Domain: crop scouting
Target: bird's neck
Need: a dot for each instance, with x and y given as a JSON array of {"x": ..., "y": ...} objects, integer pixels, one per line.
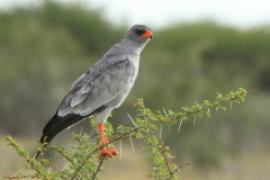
[{"x": 129, "y": 47}]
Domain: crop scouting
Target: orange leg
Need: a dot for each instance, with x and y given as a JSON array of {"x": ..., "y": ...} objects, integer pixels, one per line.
[{"x": 104, "y": 151}]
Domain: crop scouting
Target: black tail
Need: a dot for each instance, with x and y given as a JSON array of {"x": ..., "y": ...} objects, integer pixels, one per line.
[{"x": 54, "y": 126}]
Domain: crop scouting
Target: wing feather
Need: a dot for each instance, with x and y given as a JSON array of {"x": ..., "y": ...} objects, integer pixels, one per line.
[{"x": 99, "y": 86}]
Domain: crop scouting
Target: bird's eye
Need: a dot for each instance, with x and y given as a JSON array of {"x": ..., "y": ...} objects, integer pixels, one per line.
[{"x": 139, "y": 31}]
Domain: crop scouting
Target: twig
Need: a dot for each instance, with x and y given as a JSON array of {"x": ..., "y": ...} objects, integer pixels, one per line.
[
  {"x": 121, "y": 136},
  {"x": 98, "y": 169},
  {"x": 163, "y": 151},
  {"x": 215, "y": 105},
  {"x": 62, "y": 153}
]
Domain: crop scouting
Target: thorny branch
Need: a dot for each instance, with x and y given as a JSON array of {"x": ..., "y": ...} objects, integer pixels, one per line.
[
  {"x": 145, "y": 125},
  {"x": 165, "y": 157},
  {"x": 69, "y": 159},
  {"x": 121, "y": 136},
  {"x": 98, "y": 168}
]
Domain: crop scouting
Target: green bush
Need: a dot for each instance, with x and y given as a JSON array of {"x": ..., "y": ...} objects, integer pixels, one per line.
[{"x": 83, "y": 162}]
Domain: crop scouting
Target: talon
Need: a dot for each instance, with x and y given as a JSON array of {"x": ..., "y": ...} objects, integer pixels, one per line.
[
  {"x": 114, "y": 152},
  {"x": 105, "y": 152}
]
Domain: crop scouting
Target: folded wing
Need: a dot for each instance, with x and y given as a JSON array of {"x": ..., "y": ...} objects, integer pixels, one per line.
[{"x": 97, "y": 87}]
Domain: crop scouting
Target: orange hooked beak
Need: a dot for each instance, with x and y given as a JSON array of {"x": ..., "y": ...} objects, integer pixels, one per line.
[{"x": 146, "y": 35}]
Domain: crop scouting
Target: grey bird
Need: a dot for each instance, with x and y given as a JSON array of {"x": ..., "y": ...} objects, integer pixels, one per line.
[{"x": 102, "y": 88}]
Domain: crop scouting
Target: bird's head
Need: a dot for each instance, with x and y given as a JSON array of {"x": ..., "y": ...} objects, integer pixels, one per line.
[{"x": 140, "y": 34}]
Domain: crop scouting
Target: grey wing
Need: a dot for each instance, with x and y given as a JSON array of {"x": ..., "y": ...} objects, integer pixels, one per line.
[{"x": 97, "y": 88}]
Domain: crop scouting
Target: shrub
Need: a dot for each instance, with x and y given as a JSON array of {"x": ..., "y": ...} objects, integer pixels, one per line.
[{"x": 84, "y": 164}]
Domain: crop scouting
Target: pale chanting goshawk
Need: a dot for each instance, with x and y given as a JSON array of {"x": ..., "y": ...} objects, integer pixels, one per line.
[{"x": 102, "y": 88}]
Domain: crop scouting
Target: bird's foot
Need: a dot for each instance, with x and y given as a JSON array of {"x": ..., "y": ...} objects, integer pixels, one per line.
[
  {"x": 106, "y": 152},
  {"x": 113, "y": 151}
]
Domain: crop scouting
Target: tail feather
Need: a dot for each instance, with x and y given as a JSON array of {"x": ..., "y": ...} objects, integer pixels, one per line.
[{"x": 54, "y": 126}]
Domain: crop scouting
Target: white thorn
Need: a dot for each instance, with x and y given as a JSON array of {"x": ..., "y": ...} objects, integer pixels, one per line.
[
  {"x": 166, "y": 114},
  {"x": 216, "y": 108},
  {"x": 160, "y": 131},
  {"x": 179, "y": 126},
  {"x": 194, "y": 120},
  {"x": 208, "y": 112},
  {"x": 131, "y": 142},
  {"x": 81, "y": 131},
  {"x": 231, "y": 104},
  {"x": 169, "y": 126},
  {"x": 164, "y": 111},
  {"x": 132, "y": 120},
  {"x": 91, "y": 133},
  {"x": 120, "y": 148}
]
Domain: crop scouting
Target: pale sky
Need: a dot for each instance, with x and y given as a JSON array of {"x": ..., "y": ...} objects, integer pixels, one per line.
[{"x": 241, "y": 13}]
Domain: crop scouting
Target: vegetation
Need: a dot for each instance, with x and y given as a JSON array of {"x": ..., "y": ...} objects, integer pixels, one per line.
[
  {"x": 44, "y": 48},
  {"x": 84, "y": 162}
]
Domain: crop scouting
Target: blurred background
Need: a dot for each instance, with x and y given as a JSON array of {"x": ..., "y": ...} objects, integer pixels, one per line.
[{"x": 199, "y": 48}]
